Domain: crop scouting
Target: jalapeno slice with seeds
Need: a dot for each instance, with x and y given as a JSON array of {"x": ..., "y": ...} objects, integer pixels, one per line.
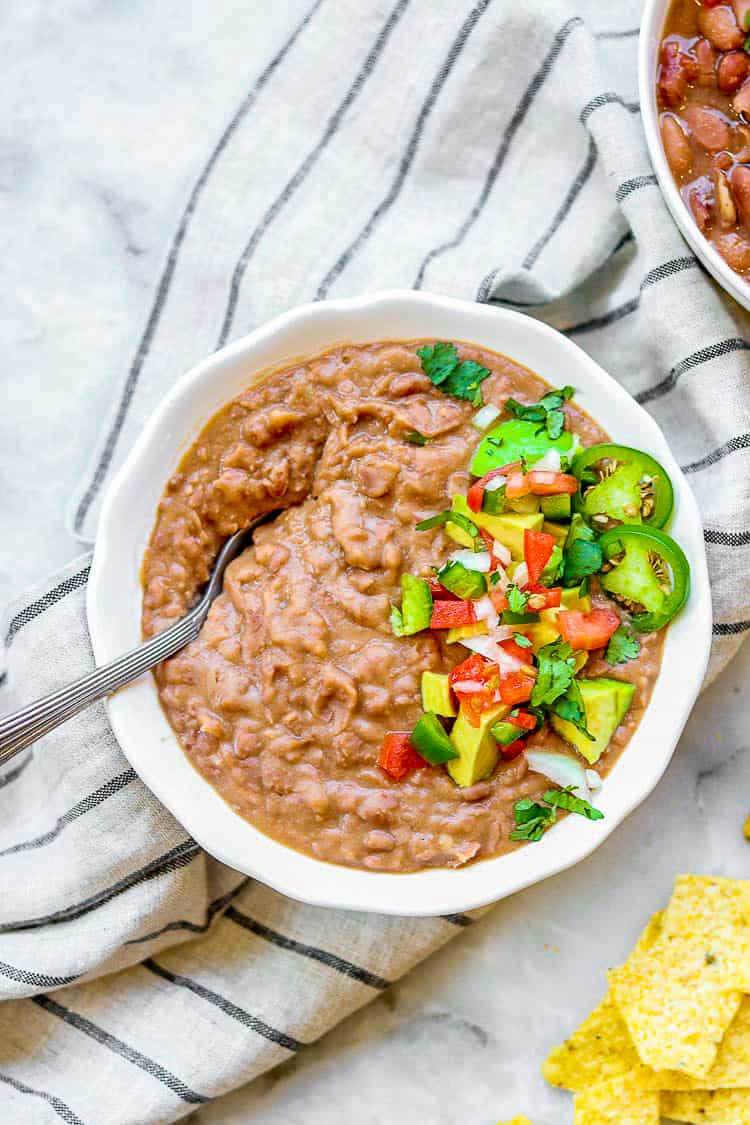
[
  {"x": 646, "y": 572},
  {"x": 621, "y": 485}
]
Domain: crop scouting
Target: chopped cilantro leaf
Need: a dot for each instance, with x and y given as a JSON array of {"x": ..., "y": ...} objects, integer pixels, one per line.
[
  {"x": 517, "y": 599},
  {"x": 566, "y": 799},
  {"x": 416, "y": 438},
  {"x": 582, "y": 555},
  {"x": 623, "y": 646},
  {"x": 521, "y": 640},
  {"x": 555, "y": 675},
  {"x": 441, "y": 364},
  {"x": 570, "y": 707},
  {"x": 532, "y": 819},
  {"x": 494, "y": 578},
  {"x": 548, "y": 412}
]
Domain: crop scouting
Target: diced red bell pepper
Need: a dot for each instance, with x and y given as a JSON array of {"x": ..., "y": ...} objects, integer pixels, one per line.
[
  {"x": 523, "y": 720},
  {"x": 517, "y": 486},
  {"x": 450, "y": 615},
  {"x": 587, "y": 631},
  {"x": 513, "y": 750},
  {"x": 439, "y": 591},
  {"x": 398, "y": 757},
  {"x": 537, "y": 549},
  {"x": 552, "y": 595},
  {"x": 516, "y": 688},
  {"x": 475, "y": 495},
  {"x": 542, "y": 482}
]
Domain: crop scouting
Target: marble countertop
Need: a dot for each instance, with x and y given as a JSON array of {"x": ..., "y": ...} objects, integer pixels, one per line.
[{"x": 96, "y": 153}]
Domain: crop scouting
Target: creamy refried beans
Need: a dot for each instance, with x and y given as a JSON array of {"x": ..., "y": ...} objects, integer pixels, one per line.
[{"x": 284, "y": 699}]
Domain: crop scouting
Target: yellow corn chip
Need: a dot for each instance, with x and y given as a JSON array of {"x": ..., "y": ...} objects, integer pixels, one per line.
[
  {"x": 516, "y": 1121},
  {"x": 710, "y": 918},
  {"x": 708, "y": 1107},
  {"x": 617, "y": 1102}
]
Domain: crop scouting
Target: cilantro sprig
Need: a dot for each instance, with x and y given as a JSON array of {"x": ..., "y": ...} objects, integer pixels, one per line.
[
  {"x": 534, "y": 818},
  {"x": 548, "y": 412},
  {"x": 556, "y": 688},
  {"x": 517, "y": 599},
  {"x": 460, "y": 378},
  {"x": 623, "y": 646}
]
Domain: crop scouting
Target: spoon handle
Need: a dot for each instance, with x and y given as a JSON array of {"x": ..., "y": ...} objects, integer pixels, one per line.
[{"x": 19, "y": 729}]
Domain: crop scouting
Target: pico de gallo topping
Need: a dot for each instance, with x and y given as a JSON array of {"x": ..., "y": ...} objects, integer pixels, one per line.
[{"x": 558, "y": 552}]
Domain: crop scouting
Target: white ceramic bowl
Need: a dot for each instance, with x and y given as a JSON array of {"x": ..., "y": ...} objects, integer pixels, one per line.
[
  {"x": 114, "y": 601},
  {"x": 652, "y": 24}
]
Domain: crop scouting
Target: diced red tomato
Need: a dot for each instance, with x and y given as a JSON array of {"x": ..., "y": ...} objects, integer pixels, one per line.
[
  {"x": 587, "y": 631},
  {"x": 513, "y": 750},
  {"x": 537, "y": 549},
  {"x": 523, "y": 720},
  {"x": 516, "y": 688},
  {"x": 398, "y": 757},
  {"x": 498, "y": 598},
  {"x": 475, "y": 667},
  {"x": 485, "y": 676},
  {"x": 552, "y": 595},
  {"x": 439, "y": 591},
  {"x": 521, "y": 654},
  {"x": 451, "y": 614},
  {"x": 475, "y": 495},
  {"x": 540, "y": 482}
]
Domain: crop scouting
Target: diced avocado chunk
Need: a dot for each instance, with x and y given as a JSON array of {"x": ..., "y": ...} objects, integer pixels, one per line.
[
  {"x": 461, "y": 632},
  {"x": 605, "y": 701},
  {"x": 508, "y": 528},
  {"x": 556, "y": 507},
  {"x": 516, "y": 438},
  {"x": 476, "y": 747},
  {"x": 559, "y": 530},
  {"x": 436, "y": 695},
  {"x": 571, "y": 599},
  {"x": 524, "y": 505}
]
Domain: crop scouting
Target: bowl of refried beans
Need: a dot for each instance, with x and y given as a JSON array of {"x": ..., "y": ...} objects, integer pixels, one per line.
[{"x": 467, "y": 644}]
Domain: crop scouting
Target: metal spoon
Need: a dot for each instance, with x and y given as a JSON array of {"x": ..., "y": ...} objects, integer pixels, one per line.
[{"x": 19, "y": 729}]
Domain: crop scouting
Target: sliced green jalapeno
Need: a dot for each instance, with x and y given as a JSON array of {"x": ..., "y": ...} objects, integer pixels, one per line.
[
  {"x": 646, "y": 572},
  {"x": 621, "y": 485}
]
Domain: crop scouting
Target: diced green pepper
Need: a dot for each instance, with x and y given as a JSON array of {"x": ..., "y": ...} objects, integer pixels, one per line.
[
  {"x": 505, "y": 733},
  {"x": 462, "y": 581},
  {"x": 493, "y": 501},
  {"x": 430, "y": 740},
  {"x": 415, "y": 613}
]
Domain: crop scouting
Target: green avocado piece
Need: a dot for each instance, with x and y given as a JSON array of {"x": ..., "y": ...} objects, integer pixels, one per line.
[
  {"x": 436, "y": 694},
  {"x": 524, "y": 505},
  {"x": 508, "y": 528},
  {"x": 476, "y": 747},
  {"x": 605, "y": 701},
  {"x": 557, "y": 507},
  {"x": 514, "y": 439}
]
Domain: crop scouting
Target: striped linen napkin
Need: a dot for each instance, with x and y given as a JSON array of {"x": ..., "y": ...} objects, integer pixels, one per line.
[{"x": 491, "y": 150}]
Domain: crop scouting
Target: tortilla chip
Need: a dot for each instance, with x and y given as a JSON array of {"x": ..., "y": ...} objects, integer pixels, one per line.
[
  {"x": 711, "y": 920},
  {"x": 617, "y": 1102},
  {"x": 516, "y": 1121},
  {"x": 708, "y": 1107}
]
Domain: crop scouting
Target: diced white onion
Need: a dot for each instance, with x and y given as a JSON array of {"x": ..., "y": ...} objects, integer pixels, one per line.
[
  {"x": 549, "y": 463},
  {"x": 501, "y": 552},
  {"x": 472, "y": 560},
  {"x": 491, "y": 650},
  {"x": 502, "y": 581},
  {"x": 494, "y": 484},
  {"x": 593, "y": 780},
  {"x": 503, "y": 633},
  {"x": 484, "y": 418},
  {"x": 561, "y": 769},
  {"x": 521, "y": 575},
  {"x": 467, "y": 686},
  {"x": 486, "y": 611}
]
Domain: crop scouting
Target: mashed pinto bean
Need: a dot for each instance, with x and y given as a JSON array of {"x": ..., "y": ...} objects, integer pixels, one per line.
[{"x": 284, "y": 699}]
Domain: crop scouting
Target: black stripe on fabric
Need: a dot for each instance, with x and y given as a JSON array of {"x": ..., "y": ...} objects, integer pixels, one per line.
[
  {"x": 720, "y": 538},
  {"x": 280, "y": 1038},
  {"x": 734, "y": 445},
  {"x": 173, "y": 860},
  {"x": 659, "y": 273},
  {"x": 38, "y": 980},
  {"x": 705, "y": 355},
  {"x": 331, "y": 960},
  {"x": 12, "y": 774},
  {"x": 41, "y": 605},
  {"x": 608, "y": 98},
  {"x": 462, "y": 920},
  {"x": 306, "y": 166},
  {"x": 61, "y": 1109},
  {"x": 165, "y": 281},
  {"x": 407, "y": 157},
  {"x": 514, "y": 125},
  {"x": 124, "y": 1050},
  {"x": 635, "y": 184},
  {"x": 573, "y": 192},
  {"x": 114, "y": 785},
  {"x": 730, "y": 628},
  {"x": 212, "y": 910}
]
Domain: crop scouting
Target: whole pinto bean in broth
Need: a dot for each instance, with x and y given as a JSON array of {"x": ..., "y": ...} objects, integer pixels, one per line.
[
  {"x": 285, "y": 698},
  {"x": 703, "y": 93}
]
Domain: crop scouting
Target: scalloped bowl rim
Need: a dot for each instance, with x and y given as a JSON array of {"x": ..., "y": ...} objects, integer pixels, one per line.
[
  {"x": 114, "y": 597},
  {"x": 652, "y": 24}
]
